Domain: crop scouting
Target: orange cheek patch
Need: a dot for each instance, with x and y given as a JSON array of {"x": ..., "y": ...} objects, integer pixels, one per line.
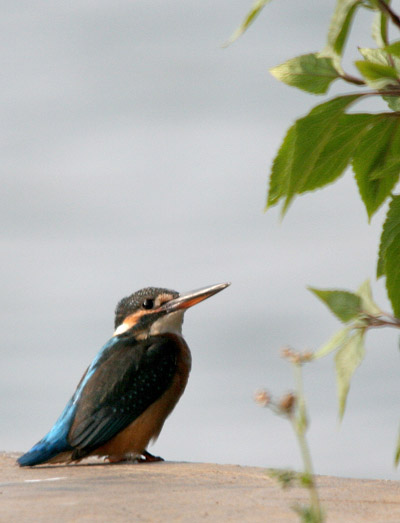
[{"x": 129, "y": 322}]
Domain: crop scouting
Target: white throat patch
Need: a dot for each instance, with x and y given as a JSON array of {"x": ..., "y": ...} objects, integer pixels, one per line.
[{"x": 171, "y": 323}]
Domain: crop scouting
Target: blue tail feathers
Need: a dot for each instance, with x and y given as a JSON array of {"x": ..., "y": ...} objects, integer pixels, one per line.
[
  {"x": 54, "y": 443},
  {"x": 42, "y": 452}
]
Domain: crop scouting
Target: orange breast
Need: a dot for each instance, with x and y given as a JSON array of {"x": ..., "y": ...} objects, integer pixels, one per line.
[{"x": 136, "y": 437}]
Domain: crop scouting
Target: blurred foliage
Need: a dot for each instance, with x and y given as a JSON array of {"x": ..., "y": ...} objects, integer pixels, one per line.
[
  {"x": 292, "y": 406},
  {"x": 319, "y": 147}
]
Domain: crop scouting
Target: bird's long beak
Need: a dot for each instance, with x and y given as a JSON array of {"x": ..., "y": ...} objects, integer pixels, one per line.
[{"x": 184, "y": 301}]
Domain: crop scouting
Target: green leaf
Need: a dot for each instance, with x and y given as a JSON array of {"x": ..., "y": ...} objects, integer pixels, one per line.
[
  {"x": 331, "y": 161},
  {"x": 389, "y": 254},
  {"x": 376, "y": 161},
  {"x": 393, "y": 48},
  {"x": 397, "y": 453},
  {"x": 255, "y": 10},
  {"x": 382, "y": 57},
  {"x": 285, "y": 477},
  {"x": 338, "y": 151},
  {"x": 379, "y": 29},
  {"x": 310, "y": 72},
  {"x": 390, "y": 234},
  {"x": 376, "y": 75},
  {"x": 376, "y": 56},
  {"x": 313, "y": 154},
  {"x": 393, "y": 102},
  {"x": 306, "y": 480},
  {"x": 282, "y": 169},
  {"x": 345, "y": 305},
  {"x": 339, "y": 26},
  {"x": 367, "y": 303},
  {"x": 309, "y": 513},
  {"x": 313, "y": 133},
  {"x": 333, "y": 343},
  {"x": 347, "y": 359},
  {"x": 392, "y": 266}
]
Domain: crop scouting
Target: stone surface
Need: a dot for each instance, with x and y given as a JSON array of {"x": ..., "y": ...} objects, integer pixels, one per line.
[{"x": 184, "y": 492}]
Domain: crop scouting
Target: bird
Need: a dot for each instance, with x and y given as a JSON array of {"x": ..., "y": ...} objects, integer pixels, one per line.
[{"x": 131, "y": 386}]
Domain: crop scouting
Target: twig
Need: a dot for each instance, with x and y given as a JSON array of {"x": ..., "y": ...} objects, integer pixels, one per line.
[
  {"x": 373, "y": 321},
  {"x": 299, "y": 424},
  {"x": 385, "y": 8},
  {"x": 352, "y": 79}
]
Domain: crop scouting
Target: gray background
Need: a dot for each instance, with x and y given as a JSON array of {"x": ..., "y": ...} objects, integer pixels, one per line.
[{"x": 136, "y": 152}]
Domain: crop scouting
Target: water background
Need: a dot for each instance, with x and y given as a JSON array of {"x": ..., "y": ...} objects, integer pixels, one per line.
[{"x": 136, "y": 152}]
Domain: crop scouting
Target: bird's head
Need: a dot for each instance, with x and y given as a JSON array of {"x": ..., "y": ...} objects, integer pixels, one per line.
[{"x": 153, "y": 310}]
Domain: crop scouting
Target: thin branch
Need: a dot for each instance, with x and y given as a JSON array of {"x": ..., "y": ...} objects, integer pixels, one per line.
[
  {"x": 385, "y": 8},
  {"x": 381, "y": 322},
  {"x": 299, "y": 424},
  {"x": 352, "y": 79},
  {"x": 387, "y": 92}
]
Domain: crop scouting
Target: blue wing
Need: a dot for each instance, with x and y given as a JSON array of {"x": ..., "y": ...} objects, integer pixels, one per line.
[
  {"x": 56, "y": 440},
  {"x": 126, "y": 382}
]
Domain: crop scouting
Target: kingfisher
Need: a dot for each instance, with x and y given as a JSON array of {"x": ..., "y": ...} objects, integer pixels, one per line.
[{"x": 131, "y": 386}]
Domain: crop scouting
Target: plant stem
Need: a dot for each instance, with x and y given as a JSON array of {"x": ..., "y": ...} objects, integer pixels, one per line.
[
  {"x": 352, "y": 79},
  {"x": 308, "y": 468},
  {"x": 380, "y": 322},
  {"x": 385, "y": 8},
  {"x": 299, "y": 424}
]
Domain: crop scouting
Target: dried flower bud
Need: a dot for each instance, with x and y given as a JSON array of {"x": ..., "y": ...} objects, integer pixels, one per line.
[
  {"x": 288, "y": 353},
  {"x": 287, "y": 403},
  {"x": 262, "y": 397},
  {"x": 307, "y": 355},
  {"x": 296, "y": 358}
]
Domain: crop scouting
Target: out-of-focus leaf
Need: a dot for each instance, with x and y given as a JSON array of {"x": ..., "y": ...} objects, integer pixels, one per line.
[
  {"x": 339, "y": 26},
  {"x": 344, "y": 304},
  {"x": 285, "y": 477},
  {"x": 376, "y": 56},
  {"x": 393, "y": 49},
  {"x": 376, "y": 161},
  {"x": 333, "y": 343},
  {"x": 376, "y": 75},
  {"x": 308, "y": 513},
  {"x": 306, "y": 479},
  {"x": 379, "y": 29},
  {"x": 347, "y": 359},
  {"x": 381, "y": 57},
  {"x": 390, "y": 233},
  {"x": 310, "y": 72},
  {"x": 313, "y": 154},
  {"x": 397, "y": 453},
  {"x": 255, "y": 10},
  {"x": 393, "y": 102},
  {"x": 367, "y": 303}
]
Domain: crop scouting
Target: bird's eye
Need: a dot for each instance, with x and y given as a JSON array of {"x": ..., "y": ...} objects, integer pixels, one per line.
[{"x": 148, "y": 303}]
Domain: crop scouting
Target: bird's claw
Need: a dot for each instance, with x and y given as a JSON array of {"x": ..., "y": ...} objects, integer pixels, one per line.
[{"x": 148, "y": 458}]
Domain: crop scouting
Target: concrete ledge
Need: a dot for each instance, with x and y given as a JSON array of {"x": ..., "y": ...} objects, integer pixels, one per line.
[{"x": 185, "y": 492}]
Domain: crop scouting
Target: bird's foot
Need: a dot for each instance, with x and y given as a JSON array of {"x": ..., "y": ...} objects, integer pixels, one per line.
[
  {"x": 148, "y": 458},
  {"x": 130, "y": 457}
]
